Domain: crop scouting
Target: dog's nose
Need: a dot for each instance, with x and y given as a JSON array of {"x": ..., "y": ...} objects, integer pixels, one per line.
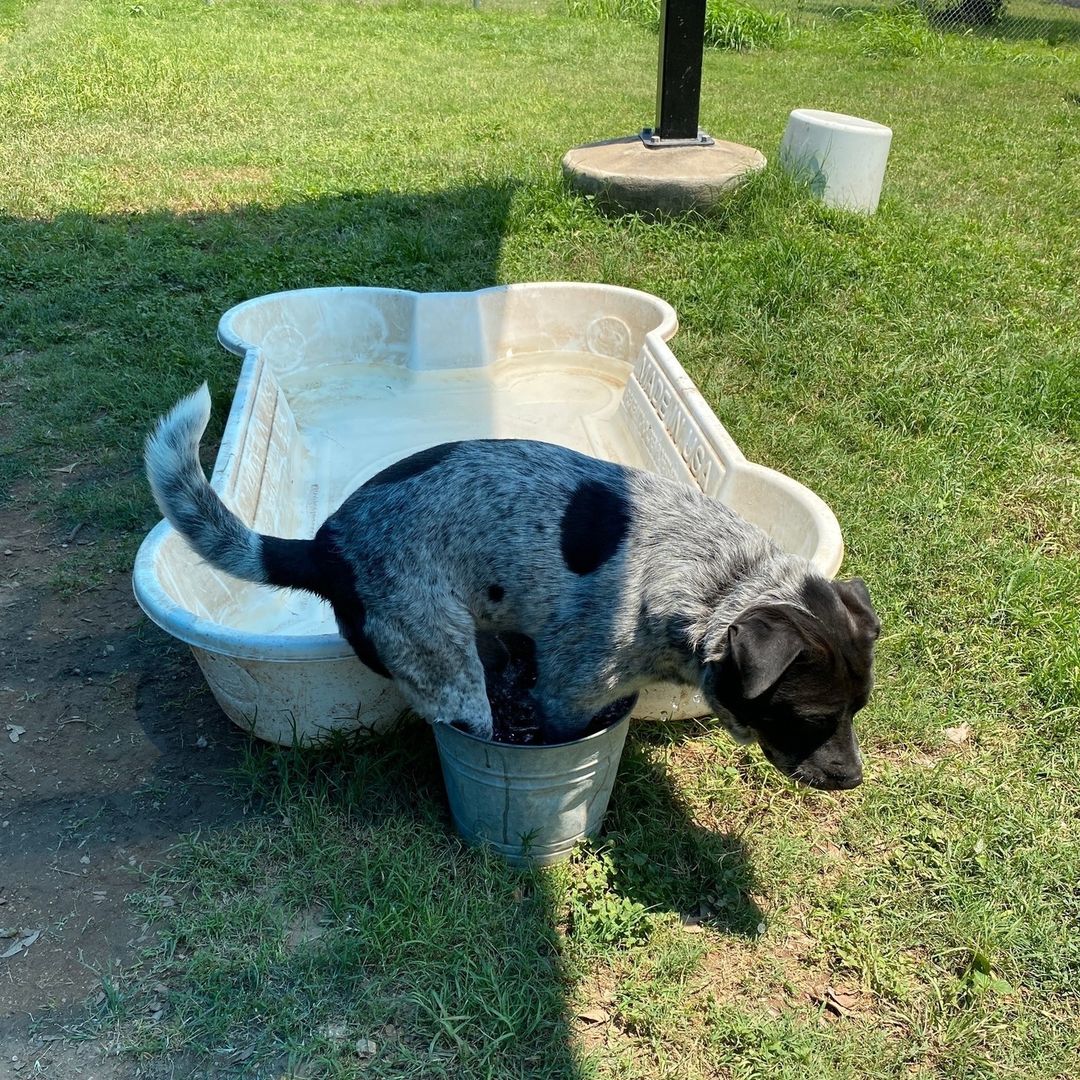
[
  {"x": 846, "y": 782},
  {"x": 835, "y": 780}
]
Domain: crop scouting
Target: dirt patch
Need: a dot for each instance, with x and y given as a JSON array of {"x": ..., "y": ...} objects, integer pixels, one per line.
[{"x": 111, "y": 748}]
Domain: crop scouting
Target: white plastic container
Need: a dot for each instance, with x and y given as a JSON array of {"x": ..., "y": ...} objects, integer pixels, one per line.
[
  {"x": 842, "y": 157},
  {"x": 338, "y": 383}
]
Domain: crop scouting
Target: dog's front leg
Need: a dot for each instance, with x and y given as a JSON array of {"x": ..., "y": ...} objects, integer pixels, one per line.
[
  {"x": 461, "y": 702},
  {"x": 448, "y": 690},
  {"x": 427, "y": 644},
  {"x": 567, "y": 689}
]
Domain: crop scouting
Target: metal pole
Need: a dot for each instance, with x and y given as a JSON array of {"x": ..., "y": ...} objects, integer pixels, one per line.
[{"x": 678, "y": 82}]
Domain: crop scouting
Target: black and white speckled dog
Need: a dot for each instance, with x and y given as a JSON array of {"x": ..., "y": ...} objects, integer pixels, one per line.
[{"x": 621, "y": 579}]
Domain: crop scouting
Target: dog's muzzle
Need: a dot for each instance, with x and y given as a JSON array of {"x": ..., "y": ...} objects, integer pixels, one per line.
[{"x": 805, "y": 772}]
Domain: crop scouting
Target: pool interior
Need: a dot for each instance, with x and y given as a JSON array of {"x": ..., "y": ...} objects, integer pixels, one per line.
[{"x": 352, "y": 419}]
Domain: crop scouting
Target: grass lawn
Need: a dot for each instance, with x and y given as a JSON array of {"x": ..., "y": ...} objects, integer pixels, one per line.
[{"x": 920, "y": 370}]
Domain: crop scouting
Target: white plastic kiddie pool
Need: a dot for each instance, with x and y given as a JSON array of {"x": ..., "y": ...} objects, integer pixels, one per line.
[{"x": 338, "y": 383}]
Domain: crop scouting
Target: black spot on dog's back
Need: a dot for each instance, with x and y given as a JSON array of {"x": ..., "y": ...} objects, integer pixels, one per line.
[
  {"x": 413, "y": 465},
  {"x": 496, "y": 593},
  {"x": 594, "y": 525}
]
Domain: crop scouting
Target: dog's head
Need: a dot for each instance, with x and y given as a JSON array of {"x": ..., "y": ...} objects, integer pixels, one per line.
[{"x": 792, "y": 677}]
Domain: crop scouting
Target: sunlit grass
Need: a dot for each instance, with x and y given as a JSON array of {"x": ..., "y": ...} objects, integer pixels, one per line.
[{"x": 918, "y": 369}]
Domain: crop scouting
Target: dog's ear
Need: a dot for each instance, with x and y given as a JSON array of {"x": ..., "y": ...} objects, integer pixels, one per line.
[
  {"x": 762, "y": 645},
  {"x": 856, "y": 598}
]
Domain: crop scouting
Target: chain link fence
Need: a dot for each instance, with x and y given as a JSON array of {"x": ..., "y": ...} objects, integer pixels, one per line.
[
  {"x": 893, "y": 24},
  {"x": 1056, "y": 22}
]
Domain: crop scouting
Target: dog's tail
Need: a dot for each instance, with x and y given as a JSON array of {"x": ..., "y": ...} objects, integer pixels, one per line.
[{"x": 194, "y": 509}]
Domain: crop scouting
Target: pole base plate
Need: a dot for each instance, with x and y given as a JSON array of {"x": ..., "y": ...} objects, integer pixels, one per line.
[{"x": 657, "y": 142}]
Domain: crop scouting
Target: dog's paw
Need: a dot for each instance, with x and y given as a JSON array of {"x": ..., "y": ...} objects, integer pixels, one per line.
[{"x": 482, "y": 730}]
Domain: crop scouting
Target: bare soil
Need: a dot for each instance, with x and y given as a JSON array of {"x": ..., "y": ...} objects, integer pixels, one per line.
[{"x": 111, "y": 748}]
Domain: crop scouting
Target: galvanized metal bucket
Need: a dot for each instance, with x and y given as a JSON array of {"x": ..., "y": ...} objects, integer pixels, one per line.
[{"x": 532, "y": 804}]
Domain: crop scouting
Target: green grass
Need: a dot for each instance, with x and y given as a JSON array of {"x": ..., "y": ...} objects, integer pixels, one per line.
[
  {"x": 352, "y": 918},
  {"x": 918, "y": 369},
  {"x": 729, "y": 24}
]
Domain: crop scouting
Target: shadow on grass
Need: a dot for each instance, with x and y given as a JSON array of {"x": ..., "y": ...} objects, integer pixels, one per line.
[
  {"x": 446, "y": 958},
  {"x": 107, "y": 320},
  {"x": 662, "y": 858},
  {"x": 458, "y": 957},
  {"x": 344, "y": 912}
]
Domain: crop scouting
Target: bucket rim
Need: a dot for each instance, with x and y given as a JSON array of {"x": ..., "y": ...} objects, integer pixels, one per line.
[{"x": 446, "y": 730}]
